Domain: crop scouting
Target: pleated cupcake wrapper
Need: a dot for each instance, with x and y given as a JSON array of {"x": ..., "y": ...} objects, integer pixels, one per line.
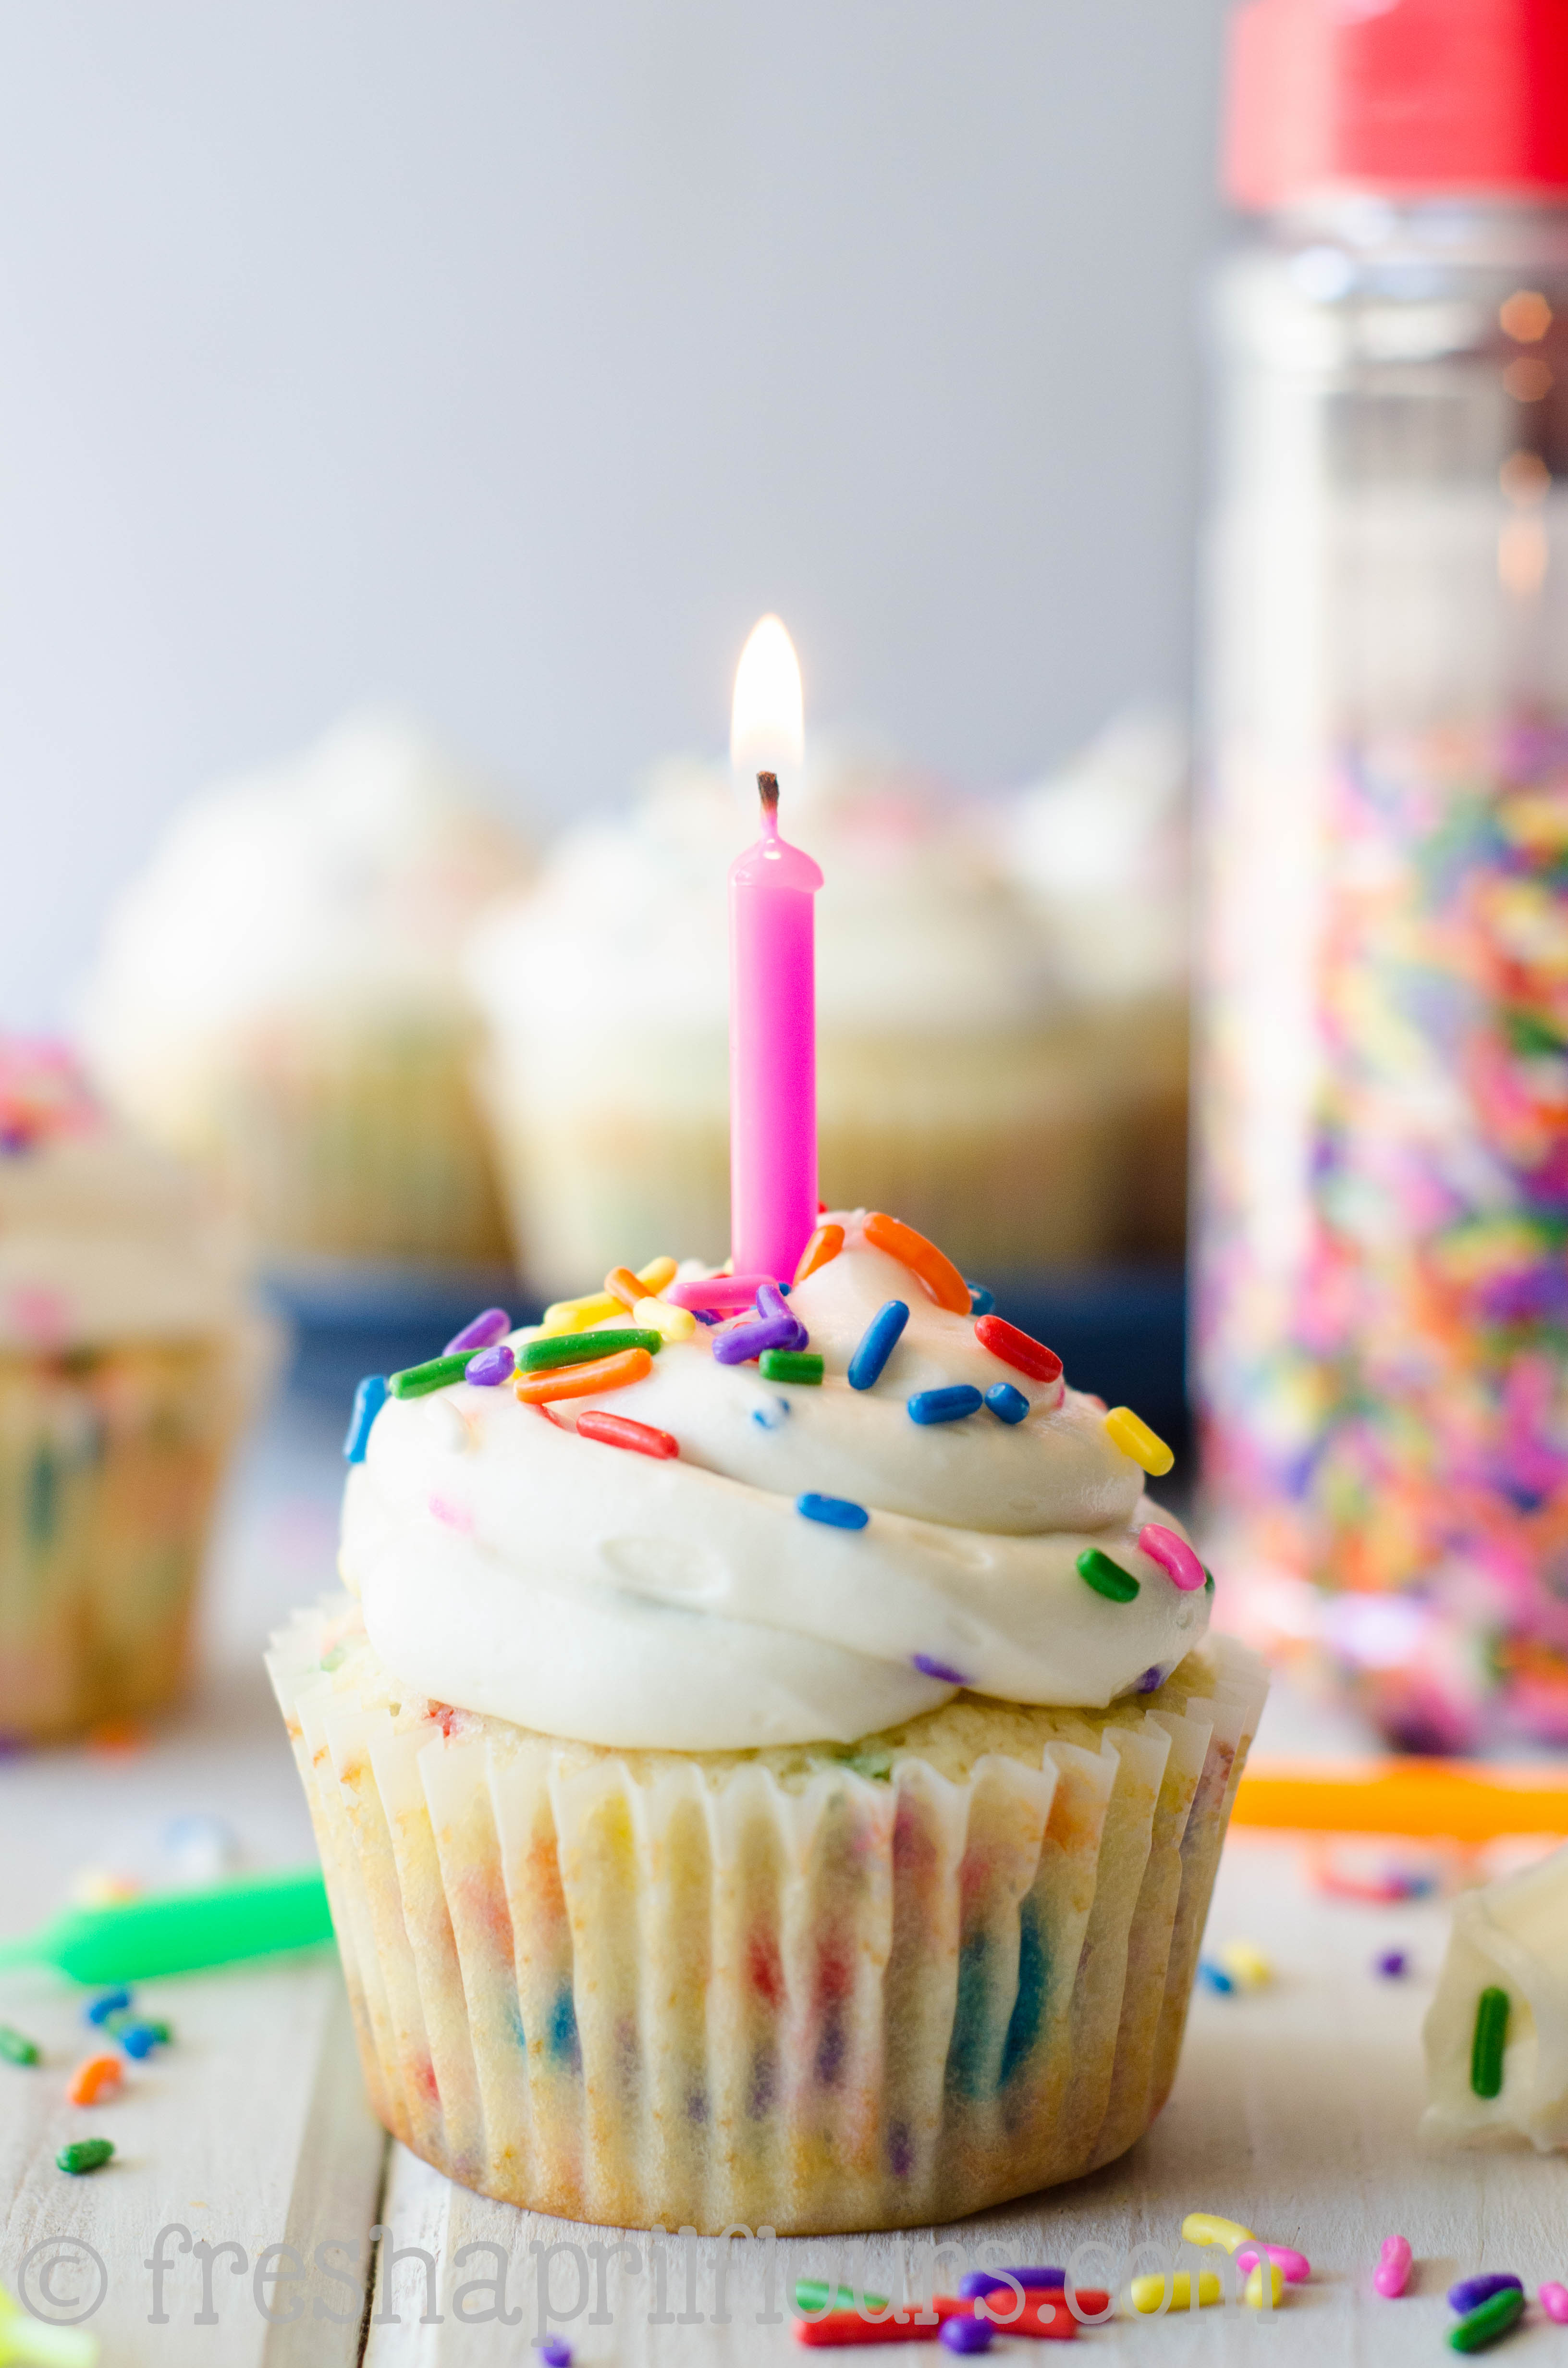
[
  {"x": 653, "y": 1989},
  {"x": 359, "y": 1140},
  {"x": 108, "y": 1475}
]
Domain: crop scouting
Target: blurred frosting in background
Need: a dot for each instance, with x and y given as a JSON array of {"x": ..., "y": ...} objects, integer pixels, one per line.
[
  {"x": 128, "y": 1357},
  {"x": 278, "y": 996},
  {"x": 974, "y": 1073}
]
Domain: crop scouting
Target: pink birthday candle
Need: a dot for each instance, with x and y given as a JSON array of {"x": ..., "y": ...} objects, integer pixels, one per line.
[{"x": 773, "y": 1058}]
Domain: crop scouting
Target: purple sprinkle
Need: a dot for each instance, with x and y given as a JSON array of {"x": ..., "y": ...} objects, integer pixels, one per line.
[
  {"x": 483, "y": 1333},
  {"x": 900, "y": 2153},
  {"x": 1393, "y": 1965},
  {"x": 1150, "y": 1679},
  {"x": 556, "y": 2351},
  {"x": 930, "y": 1668},
  {"x": 750, "y": 1339},
  {"x": 1033, "y": 2281},
  {"x": 965, "y": 2334},
  {"x": 1471, "y": 2293},
  {"x": 490, "y": 1367},
  {"x": 708, "y": 1315}
]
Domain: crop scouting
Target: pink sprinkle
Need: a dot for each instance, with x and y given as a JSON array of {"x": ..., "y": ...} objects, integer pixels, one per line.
[
  {"x": 40, "y": 1316},
  {"x": 1555, "y": 2301},
  {"x": 456, "y": 1517},
  {"x": 1392, "y": 2273},
  {"x": 720, "y": 1290},
  {"x": 1294, "y": 2268},
  {"x": 1174, "y": 1555}
]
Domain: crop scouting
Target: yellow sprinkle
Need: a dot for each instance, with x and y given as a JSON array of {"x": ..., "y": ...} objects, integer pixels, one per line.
[
  {"x": 1245, "y": 1964},
  {"x": 670, "y": 1323},
  {"x": 658, "y": 1274},
  {"x": 1149, "y": 2292},
  {"x": 576, "y": 1314},
  {"x": 1135, "y": 1438},
  {"x": 1207, "y": 2228}
]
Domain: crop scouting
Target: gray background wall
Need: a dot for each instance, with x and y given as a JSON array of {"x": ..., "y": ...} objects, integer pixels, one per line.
[{"x": 508, "y": 359}]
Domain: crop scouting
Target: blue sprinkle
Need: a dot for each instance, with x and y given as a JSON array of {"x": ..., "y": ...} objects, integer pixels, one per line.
[
  {"x": 368, "y": 1399},
  {"x": 837, "y": 1511},
  {"x": 139, "y": 2039},
  {"x": 769, "y": 1417},
  {"x": 878, "y": 1342},
  {"x": 1006, "y": 1404},
  {"x": 980, "y": 1301},
  {"x": 949, "y": 1405},
  {"x": 107, "y": 2002},
  {"x": 930, "y": 1668},
  {"x": 1216, "y": 1976}
]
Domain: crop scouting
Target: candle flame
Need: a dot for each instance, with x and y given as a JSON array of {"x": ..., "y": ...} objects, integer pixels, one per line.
[{"x": 768, "y": 719}]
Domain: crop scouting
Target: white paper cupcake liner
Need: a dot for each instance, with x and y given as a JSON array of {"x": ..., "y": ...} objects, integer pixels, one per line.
[{"x": 812, "y": 1990}]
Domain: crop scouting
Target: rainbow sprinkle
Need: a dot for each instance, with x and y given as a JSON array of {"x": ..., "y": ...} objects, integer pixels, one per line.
[
  {"x": 877, "y": 1344},
  {"x": 368, "y": 1399},
  {"x": 1006, "y": 1403},
  {"x": 835, "y": 1512},
  {"x": 482, "y": 1332},
  {"x": 952, "y": 1404},
  {"x": 1107, "y": 1577}
]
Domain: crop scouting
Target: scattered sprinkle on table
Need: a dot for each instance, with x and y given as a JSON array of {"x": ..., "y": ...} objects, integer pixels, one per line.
[
  {"x": 965, "y": 2335},
  {"x": 1006, "y": 1403},
  {"x": 1246, "y": 1963},
  {"x": 803, "y": 1366},
  {"x": 1134, "y": 1436},
  {"x": 975, "y": 2283},
  {"x": 811, "y": 2293},
  {"x": 1215, "y": 1977},
  {"x": 1107, "y": 1577},
  {"x": 95, "y": 2078},
  {"x": 953, "y": 1402},
  {"x": 1468, "y": 2293},
  {"x": 83, "y": 2155},
  {"x": 1392, "y": 2273},
  {"x": 556, "y": 2351},
  {"x": 107, "y": 2002},
  {"x": 482, "y": 1332},
  {"x": 1555, "y": 2301},
  {"x": 139, "y": 2039},
  {"x": 15, "y": 2047},
  {"x": 1486, "y": 2047},
  {"x": 368, "y": 1399},
  {"x": 1017, "y": 1349},
  {"x": 1294, "y": 2266},
  {"x": 1480, "y": 2327},
  {"x": 877, "y": 1344},
  {"x": 1393, "y": 1965},
  {"x": 619, "y": 1431},
  {"x": 1213, "y": 2229},
  {"x": 836, "y": 1512}
]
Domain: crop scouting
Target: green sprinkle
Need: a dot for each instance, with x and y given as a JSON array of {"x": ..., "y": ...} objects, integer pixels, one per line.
[
  {"x": 15, "y": 2048},
  {"x": 576, "y": 1348},
  {"x": 87, "y": 2154},
  {"x": 1208, "y": 1580},
  {"x": 1489, "y": 2319},
  {"x": 1486, "y": 2047},
  {"x": 791, "y": 1365},
  {"x": 810, "y": 2294},
  {"x": 1107, "y": 1577},
  {"x": 435, "y": 1374}
]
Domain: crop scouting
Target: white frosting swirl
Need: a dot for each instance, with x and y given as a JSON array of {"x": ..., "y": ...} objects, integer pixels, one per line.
[{"x": 507, "y": 1565}]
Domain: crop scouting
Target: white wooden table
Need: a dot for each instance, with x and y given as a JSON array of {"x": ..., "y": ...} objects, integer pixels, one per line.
[{"x": 1295, "y": 2110}]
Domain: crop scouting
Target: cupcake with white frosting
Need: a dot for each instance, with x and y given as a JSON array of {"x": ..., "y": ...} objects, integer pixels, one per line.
[
  {"x": 954, "y": 1080},
  {"x": 769, "y": 1765},
  {"x": 278, "y": 996},
  {"x": 127, "y": 1359}
]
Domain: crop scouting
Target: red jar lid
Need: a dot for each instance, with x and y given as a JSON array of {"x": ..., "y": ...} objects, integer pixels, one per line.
[{"x": 1401, "y": 96}]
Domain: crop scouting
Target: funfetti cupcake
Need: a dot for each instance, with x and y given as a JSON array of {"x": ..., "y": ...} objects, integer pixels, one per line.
[
  {"x": 955, "y": 1081},
  {"x": 278, "y": 996},
  {"x": 128, "y": 1361},
  {"x": 770, "y": 1762}
]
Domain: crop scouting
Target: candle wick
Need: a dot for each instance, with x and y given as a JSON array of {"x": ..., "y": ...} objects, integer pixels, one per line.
[{"x": 767, "y": 790}]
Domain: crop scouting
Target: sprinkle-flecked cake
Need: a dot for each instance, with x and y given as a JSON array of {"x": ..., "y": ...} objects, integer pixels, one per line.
[
  {"x": 128, "y": 1357},
  {"x": 770, "y": 1765}
]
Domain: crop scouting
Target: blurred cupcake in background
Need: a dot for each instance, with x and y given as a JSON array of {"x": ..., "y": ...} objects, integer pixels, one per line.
[
  {"x": 278, "y": 996},
  {"x": 129, "y": 1358},
  {"x": 1100, "y": 851},
  {"x": 955, "y": 1084}
]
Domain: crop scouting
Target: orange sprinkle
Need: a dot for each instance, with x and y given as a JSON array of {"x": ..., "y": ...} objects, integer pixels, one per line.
[
  {"x": 622, "y": 1284},
  {"x": 825, "y": 1244},
  {"x": 584, "y": 1381},
  {"x": 941, "y": 1278},
  {"x": 96, "y": 2076}
]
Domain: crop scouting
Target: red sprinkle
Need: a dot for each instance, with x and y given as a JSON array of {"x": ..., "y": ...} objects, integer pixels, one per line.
[
  {"x": 619, "y": 1431},
  {"x": 1017, "y": 1349}
]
